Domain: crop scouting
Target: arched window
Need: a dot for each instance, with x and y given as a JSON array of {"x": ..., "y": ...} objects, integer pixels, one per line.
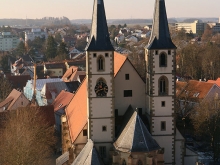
[
  {"x": 101, "y": 63},
  {"x": 124, "y": 162},
  {"x": 163, "y": 85},
  {"x": 163, "y": 60},
  {"x": 139, "y": 162}
]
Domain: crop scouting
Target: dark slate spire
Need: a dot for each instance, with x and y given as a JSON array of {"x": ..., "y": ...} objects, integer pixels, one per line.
[
  {"x": 99, "y": 35},
  {"x": 160, "y": 36}
]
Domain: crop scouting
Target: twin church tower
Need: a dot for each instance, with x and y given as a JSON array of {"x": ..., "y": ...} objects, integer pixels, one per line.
[{"x": 160, "y": 90}]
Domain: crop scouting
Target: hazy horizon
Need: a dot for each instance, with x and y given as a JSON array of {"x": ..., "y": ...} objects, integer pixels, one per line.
[{"x": 123, "y": 9}]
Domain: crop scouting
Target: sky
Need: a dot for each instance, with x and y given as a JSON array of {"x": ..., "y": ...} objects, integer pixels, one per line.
[{"x": 115, "y": 9}]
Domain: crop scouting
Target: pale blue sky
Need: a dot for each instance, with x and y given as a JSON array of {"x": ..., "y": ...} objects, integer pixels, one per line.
[{"x": 115, "y": 9}]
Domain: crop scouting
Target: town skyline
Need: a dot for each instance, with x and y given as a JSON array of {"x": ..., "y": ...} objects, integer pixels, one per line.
[{"x": 114, "y": 9}]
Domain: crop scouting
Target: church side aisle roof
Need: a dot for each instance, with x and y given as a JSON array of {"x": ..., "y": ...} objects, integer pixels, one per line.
[
  {"x": 135, "y": 137},
  {"x": 88, "y": 155},
  {"x": 160, "y": 36},
  {"x": 99, "y": 36}
]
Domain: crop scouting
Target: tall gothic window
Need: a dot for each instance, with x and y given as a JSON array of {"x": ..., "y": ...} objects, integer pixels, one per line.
[
  {"x": 139, "y": 162},
  {"x": 163, "y": 85},
  {"x": 101, "y": 63},
  {"x": 124, "y": 162},
  {"x": 163, "y": 60}
]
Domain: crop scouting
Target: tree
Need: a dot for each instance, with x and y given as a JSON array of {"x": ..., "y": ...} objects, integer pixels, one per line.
[
  {"x": 26, "y": 138},
  {"x": 62, "y": 52},
  {"x": 81, "y": 44},
  {"x": 21, "y": 49},
  {"x": 206, "y": 122},
  {"x": 51, "y": 48},
  {"x": 207, "y": 35},
  {"x": 5, "y": 88},
  {"x": 4, "y": 62},
  {"x": 58, "y": 38}
]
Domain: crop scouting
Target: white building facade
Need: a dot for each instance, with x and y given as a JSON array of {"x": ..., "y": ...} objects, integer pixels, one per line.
[{"x": 8, "y": 41}]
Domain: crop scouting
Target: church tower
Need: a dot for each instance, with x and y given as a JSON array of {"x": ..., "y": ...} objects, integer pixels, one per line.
[
  {"x": 100, "y": 83},
  {"x": 161, "y": 83}
]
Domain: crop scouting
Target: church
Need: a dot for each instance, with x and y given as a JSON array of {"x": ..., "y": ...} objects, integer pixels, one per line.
[{"x": 116, "y": 118}]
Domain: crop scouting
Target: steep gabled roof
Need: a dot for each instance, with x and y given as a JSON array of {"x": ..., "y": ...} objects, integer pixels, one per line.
[
  {"x": 99, "y": 35},
  {"x": 135, "y": 137},
  {"x": 119, "y": 60},
  {"x": 76, "y": 112},
  {"x": 62, "y": 100},
  {"x": 160, "y": 36},
  {"x": 88, "y": 155}
]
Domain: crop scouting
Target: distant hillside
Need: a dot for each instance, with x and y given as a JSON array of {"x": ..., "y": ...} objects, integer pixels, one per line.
[
  {"x": 46, "y": 21},
  {"x": 120, "y": 21}
]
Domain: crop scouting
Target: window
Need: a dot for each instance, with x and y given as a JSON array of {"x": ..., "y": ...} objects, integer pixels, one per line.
[
  {"x": 127, "y": 77},
  {"x": 85, "y": 132},
  {"x": 94, "y": 54},
  {"x": 169, "y": 52},
  {"x": 163, "y": 86},
  {"x": 100, "y": 63},
  {"x": 156, "y": 52},
  {"x": 22, "y": 103},
  {"x": 106, "y": 54},
  {"x": 139, "y": 162},
  {"x": 163, "y": 126},
  {"x": 163, "y": 60},
  {"x": 127, "y": 93},
  {"x": 116, "y": 112},
  {"x": 102, "y": 151},
  {"x": 124, "y": 162},
  {"x": 104, "y": 128},
  {"x": 163, "y": 104}
]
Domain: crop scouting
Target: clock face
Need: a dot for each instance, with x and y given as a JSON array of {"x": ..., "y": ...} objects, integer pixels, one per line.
[{"x": 101, "y": 89}]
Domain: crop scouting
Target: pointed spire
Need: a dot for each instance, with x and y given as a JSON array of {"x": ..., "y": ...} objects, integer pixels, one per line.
[
  {"x": 160, "y": 36},
  {"x": 99, "y": 35}
]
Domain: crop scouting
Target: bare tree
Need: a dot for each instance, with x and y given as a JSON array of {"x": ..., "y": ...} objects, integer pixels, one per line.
[
  {"x": 26, "y": 138},
  {"x": 206, "y": 122}
]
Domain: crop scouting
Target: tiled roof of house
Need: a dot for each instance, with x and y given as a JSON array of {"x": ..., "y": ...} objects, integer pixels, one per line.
[
  {"x": 12, "y": 98},
  {"x": 62, "y": 100},
  {"x": 135, "y": 137},
  {"x": 88, "y": 155},
  {"x": 196, "y": 89},
  {"x": 180, "y": 87},
  {"x": 217, "y": 82},
  {"x": 55, "y": 65},
  {"x": 160, "y": 36},
  {"x": 76, "y": 111},
  {"x": 119, "y": 60},
  {"x": 72, "y": 74}
]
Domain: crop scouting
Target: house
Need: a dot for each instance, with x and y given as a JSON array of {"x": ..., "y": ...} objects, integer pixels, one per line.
[
  {"x": 119, "y": 38},
  {"x": 54, "y": 69},
  {"x": 73, "y": 74},
  {"x": 14, "y": 100},
  {"x": 131, "y": 39},
  {"x": 73, "y": 52},
  {"x": 69, "y": 40},
  {"x": 60, "y": 103},
  {"x": 29, "y": 88},
  {"x": 80, "y": 63}
]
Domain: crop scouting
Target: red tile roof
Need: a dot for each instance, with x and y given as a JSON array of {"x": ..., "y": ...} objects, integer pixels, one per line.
[
  {"x": 197, "y": 89},
  {"x": 76, "y": 111},
  {"x": 217, "y": 82},
  {"x": 62, "y": 100},
  {"x": 119, "y": 60}
]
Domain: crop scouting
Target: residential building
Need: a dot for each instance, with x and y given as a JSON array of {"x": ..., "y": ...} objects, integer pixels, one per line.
[
  {"x": 14, "y": 100},
  {"x": 131, "y": 39},
  {"x": 215, "y": 27},
  {"x": 73, "y": 74},
  {"x": 8, "y": 41},
  {"x": 54, "y": 69},
  {"x": 35, "y": 32},
  {"x": 119, "y": 38},
  {"x": 196, "y": 27},
  {"x": 60, "y": 103}
]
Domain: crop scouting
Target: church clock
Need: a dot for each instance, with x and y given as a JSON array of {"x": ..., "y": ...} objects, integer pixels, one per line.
[{"x": 101, "y": 89}]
